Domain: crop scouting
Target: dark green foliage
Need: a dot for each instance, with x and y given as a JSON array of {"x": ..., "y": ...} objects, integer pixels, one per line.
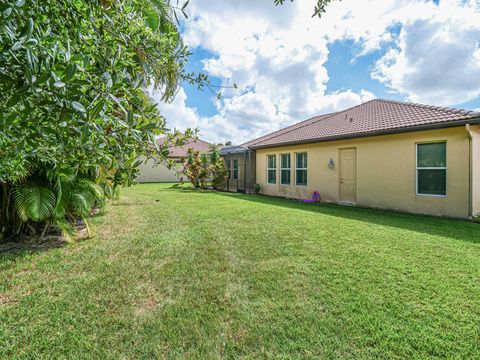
[
  {"x": 34, "y": 201},
  {"x": 56, "y": 198},
  {"x": 73, "y": 75}
]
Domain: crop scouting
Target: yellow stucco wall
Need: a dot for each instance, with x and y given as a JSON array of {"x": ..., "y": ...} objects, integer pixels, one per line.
[
  {"x": 475, "y": 130},
  {"x": 160, "y": 173},
  {"x": 386, "y": 172}
]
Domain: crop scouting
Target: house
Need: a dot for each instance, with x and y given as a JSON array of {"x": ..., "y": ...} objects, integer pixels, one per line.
[
  {"x": 382, "y": 154},
  {"x": 150, "y": 173}
]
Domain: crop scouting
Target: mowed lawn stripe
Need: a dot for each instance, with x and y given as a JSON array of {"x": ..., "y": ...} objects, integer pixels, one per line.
[{"x": 177, "y": 273}]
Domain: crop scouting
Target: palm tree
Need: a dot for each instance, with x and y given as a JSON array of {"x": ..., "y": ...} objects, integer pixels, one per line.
[
  {"x": 161, "y": 17},
  {"x": 56, "y": 197}
]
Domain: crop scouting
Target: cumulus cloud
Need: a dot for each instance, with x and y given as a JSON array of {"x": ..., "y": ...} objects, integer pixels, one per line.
[
  {"x": 243, "y": 118},
  {"x": 214, "y": 129},
  {"x": 437, "y": 60},
  {"x": 277, "y": 56}
]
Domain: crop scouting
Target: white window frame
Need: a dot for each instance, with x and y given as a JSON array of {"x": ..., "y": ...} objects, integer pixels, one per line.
[
  {"x": 283, "y": 169},
  {"x": 297, "y": 168},
  {"x": 270, "y": 169},
  {"x": 431, "y": 168}
]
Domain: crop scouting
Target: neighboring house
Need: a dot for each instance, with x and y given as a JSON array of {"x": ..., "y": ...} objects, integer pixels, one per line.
[
  {"x": 383, "y": 154},
  {"x": 150, "y": 173}
]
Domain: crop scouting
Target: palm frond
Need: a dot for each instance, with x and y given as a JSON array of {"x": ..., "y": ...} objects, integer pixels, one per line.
[
  {"x": 88, "y": 228},
  {"x": 34, "y": 201},
  {"x": 82, "y": 202},
  {"x": 158, "y": 13},
  {"x": 67, "y": 229},
  {"x": 91, "y": 186},
  {"x": 63, "y": 191}
]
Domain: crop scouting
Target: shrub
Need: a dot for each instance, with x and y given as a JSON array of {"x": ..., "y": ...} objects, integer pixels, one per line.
[
  {"x": 204, "y": 168},
  {"x": 74, "y": 113}
]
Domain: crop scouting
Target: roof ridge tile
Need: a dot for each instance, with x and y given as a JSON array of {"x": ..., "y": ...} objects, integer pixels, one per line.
[
  {"x": 372, "y": 117},
  {"x": 426, "y": 106},
  {"x": 286, "y": 129}
]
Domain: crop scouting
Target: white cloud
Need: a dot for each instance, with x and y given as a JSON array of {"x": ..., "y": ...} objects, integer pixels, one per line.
[
  {"x": 277, "y": 57},
  {"x": 437, "y": 60},
  {"x": 243, "y": 118},
  {"x": 213, "y": 128}
]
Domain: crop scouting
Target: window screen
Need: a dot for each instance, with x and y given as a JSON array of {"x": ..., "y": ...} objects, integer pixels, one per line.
[
  {"x": 432, "y": 168},
  {"x": 285, "y": 169},
  {"x": 271, "y": 169},
  {"x": 301, "y": 169}
]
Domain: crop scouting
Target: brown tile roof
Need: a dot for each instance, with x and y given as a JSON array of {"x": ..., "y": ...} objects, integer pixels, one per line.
[
  {"x": 286, "y": 130},
  {"x": 179, "y": 151},
  {"x": 374, "y": 117}
]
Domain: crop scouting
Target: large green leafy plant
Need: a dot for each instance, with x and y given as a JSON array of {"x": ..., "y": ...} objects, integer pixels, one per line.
[
  {"x": 74, "y": 114},
  {"x": 202, "y": 168}
]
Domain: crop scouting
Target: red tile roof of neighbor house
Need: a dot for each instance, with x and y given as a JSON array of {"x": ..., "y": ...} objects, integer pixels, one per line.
[
  {"x": 180, "y": 151},
  {"x": 375, "y": 117}
]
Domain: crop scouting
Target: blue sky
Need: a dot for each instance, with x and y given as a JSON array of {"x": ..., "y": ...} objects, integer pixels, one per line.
[
  {"x": 289, "y": 66},
  {"x": 201, "y": 99}
]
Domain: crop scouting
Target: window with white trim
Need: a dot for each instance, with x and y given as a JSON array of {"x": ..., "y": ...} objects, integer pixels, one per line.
[
  {"x": 285, "y": 169},
  {"x": 301, "y": 172},
  {"x": 272, "y": 169},
  {"x": 432, "y": 168}
]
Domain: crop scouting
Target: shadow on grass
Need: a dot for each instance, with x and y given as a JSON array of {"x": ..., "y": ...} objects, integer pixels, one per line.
[
  {"x": 12, "y": 250},
  {"x": 26, "y": 245},
  {"x": 452, "y": 228}
]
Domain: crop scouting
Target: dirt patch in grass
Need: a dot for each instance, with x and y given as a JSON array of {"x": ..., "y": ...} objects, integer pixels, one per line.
[
  {"x": 146, "y": 306},
  {"x": 33, "y": 243},
  {"x": 7, "y": 300},
  {"x": 130, "y": 203}
]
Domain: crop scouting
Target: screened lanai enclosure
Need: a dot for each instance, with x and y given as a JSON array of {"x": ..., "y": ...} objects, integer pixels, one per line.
[{"x": 240, "y": 162}]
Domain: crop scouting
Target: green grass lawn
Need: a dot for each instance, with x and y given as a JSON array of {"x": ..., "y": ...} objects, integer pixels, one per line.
[{"x": 175, "y": 273}]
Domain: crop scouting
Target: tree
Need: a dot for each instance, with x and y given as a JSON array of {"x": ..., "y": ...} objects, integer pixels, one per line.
[
  {"x": 73, "y": 106},
  {"x": 319, "y": 9},
  {"x": 218, "y": 169},
  {"x": 204, "y": 168}
]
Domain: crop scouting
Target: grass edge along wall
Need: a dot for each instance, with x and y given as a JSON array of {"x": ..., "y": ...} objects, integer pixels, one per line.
[{"x": 385, "y": 171}]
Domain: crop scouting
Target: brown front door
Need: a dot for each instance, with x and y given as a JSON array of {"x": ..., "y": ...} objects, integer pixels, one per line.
[{"x": 348, "y": 175}]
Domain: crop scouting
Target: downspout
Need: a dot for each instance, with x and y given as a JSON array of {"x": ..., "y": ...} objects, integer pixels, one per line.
[
  {"x": 470, "y": 171},
  {"x": 229, "y": 172},
  {"x": 245, "y": 172},
  {"x": 238, "y": 171},
  {"x": 249, "y": 171}
]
